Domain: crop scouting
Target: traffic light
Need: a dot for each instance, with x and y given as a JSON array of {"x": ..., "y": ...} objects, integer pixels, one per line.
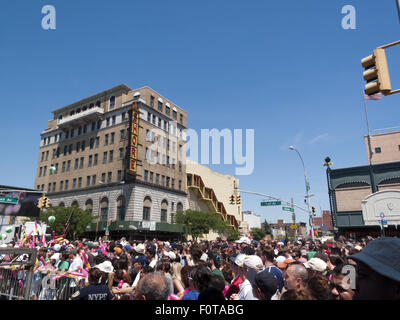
[
  {"x": 40, "y": 203},
  {"x": 237, "y": 199},
  {"x": 313, "y": 211},
  {"x": 376, "y": 73},
  {"x": 46, "y": 202},
  {"x": 232, "y": 199}
]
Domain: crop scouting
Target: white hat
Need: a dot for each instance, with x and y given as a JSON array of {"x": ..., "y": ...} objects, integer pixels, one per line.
[
  {"x": 253, "y": 262},
  {"x": 171, "y": 255},
  {"x": 244, "y": 240},
  {"x": 316, "y": 264},
  {"x": 106, "y": 267},
  {"x": 166, "y": 243},
  {"x": 239, "y": 259},
  {"x": 280, "y": 259},
  {"x": 57, "y": 247},
  {"x": 140, "y": 248}
]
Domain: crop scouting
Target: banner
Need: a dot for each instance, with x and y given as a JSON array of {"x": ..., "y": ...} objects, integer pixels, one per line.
[
  {"x": 19, "y": 203},
  {"x": 133, "y": 141}
]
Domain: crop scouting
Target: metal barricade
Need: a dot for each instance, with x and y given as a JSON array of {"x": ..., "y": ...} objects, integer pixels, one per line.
[{"x": 16, "y": 273}]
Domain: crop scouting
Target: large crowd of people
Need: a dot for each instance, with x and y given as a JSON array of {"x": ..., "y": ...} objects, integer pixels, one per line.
[{"x": 340, "y": 269}]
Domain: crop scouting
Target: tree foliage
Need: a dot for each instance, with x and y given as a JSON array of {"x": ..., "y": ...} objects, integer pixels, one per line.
[
  {"x": 80, "y": 220},
  {"x": 199, "y": 222},
  {"x": 257, "y": 233},
  {"x": 266, "y": 227}
]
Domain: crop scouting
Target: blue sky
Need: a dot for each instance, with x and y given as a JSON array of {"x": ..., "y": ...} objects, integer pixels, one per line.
[{"x": 288, "y": 70}]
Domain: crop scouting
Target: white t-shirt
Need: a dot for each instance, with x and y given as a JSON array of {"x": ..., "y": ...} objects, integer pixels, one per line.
[
  {"x": 153, "y": 263},
  {"x": 77, "y": 262},
  {"x": 246, "y": 291}
]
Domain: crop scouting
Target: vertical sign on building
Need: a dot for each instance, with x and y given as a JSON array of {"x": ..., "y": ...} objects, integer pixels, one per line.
[{"x": 133, "y": 145}]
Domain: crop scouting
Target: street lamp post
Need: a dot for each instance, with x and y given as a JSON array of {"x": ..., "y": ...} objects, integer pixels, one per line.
[{"x": 307, "y": 192}]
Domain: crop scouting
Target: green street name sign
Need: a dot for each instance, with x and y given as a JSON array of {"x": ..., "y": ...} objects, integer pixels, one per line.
[
  {"x": 288, "y": 209},
  {"x": 8, "y": 200},
  {"x": 271, "y": 203}
]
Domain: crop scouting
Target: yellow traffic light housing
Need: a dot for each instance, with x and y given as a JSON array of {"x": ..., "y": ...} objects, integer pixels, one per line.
[
  {"x": 376, "y": 73},
  {"x": 237, "y": 199},
  {"x": 46, "y": 202},
  {"x": 313, "y": 210},
  {"x": 40, "y": 204}
]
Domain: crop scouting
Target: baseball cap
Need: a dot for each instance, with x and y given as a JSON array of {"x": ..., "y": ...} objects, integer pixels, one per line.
[
  {"x": 240, "y": 259},
  {"x": 267, "y": 283},
  {"x": 383, "y": 256},
  {"x": 244, "y": 240},
  {"x": 253, "y": 262},
  {"x": 316, "y": 264}
]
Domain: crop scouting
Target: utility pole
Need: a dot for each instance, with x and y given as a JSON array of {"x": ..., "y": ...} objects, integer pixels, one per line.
[
  {"x": 294, "y": 220},
  {"x": 398, "y": 8}
]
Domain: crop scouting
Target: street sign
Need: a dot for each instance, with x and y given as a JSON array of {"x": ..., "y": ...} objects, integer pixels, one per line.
[
  {"x": 294, "y": 226},
  {"x": 271, "y": 203},
  {"x": 8, "y": 200},
  {"x": 288, "y": 209},
  {"x": 323, "y": 227}
]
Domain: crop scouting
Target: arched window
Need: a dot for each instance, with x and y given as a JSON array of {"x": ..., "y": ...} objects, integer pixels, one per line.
[
  {"x": 75, "y": 204},
  {"x": 61, "y": 204},
  {"x": 89, "y": 205},
  {"x": 112, "y": 102},
  {"x": 121, "y": 208},
  {"x": 146, "y": 208},
  {"x": 179, "y": 207},
  {"x": 164, "y": 211},
  {"x": 104, "y": 209}
]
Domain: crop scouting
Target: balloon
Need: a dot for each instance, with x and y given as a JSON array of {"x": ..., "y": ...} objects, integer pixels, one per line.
[
  {"x": 9, "y": 229},
  {"x": 52, "y": 169},
  {"x": 52, "y": 219},
  {"x": 3, "y": 236}
]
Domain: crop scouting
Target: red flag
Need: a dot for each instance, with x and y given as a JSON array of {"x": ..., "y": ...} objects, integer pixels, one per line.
[{"x": 375, "y": 96}]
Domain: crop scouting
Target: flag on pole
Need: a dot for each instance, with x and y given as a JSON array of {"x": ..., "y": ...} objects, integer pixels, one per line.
[
  {"x": 67, "y": 224},
  {"x": 375, "y": 96}
]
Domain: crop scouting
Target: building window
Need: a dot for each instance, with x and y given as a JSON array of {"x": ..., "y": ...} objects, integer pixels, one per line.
[
  {"x": 121, "y": 153},
  {"x": 112, "y": 138},
  {"x": 87, "y": 181},
  {"x": 44, "y": 171},
  {"x": 94, "y": 180},
  {"x": 160, "y": 106},
  {"x": 61, "y": 185},
  {"x": 97, "y": 142},
  {"x": 82, "y": 163},
  {"x": 151, "y": 101},
  {"x": 121, "y": 208},
  {"x": 93, "y": 126},
  {"x": 112, "y": 102},
  {"x": 66, "y": 184},
  {"x": 181, "y": 118},
  {"x": 173, "y": 183},
  {"x": 114, "y": 118},
  {"x": 65, "y": 150},
  {"x": 106, "y": 140},
  {"x": 90, "y": 161},
  {"x": 78, "y": 146},
  {"x": 107, "y": 121},
  {"x": 163, "y": 180},
  {"x": 154, "y": 119},
  {"x": 98, "y": 124},
  {"x": 68, "y": 165},
  {"x": 180, "y": 185},
  {"x": 54, "y": 187},
  {"x": 378, "y": 150},
  {"x": 63, "y": 167},
  {"x": 146, "y": 175},
  {"x": 79, "y": 130},
  {"x": 167, "y": 110},
  {"x": 105, "y": 157},
  {"x": 109, "y": 177},
  {"x": 98, "y": 104},
  {"x": 47, "y": 155},
  {"x": 151, "y": 177},
  {"x": 49, "y": 188},
  {"x": 167, "y": 182},
  {"x": 85, "y": 128},
  {"x": 104, "y": 209},
  {"x": 148, "y": 116},
  {"x": 103, "y": 177},
  {"x": 111, "y": 158},
  {"x": 96, "y": 158},
  {"x": 146, "y": 208},
  {"x": 40, "y": 171},
  {"x": 122, "y": 132},
  {"x": 157, "y": 178},
  {"x": 89, "y": 205},
  {"x": 79, "y": 183},
  {"x": 119, "y": 175},
  {"x": 76, "y": 163},
  {"x": 72, "y": 133},
  {"x": 147, "y": 135},
  {"x": 74, "y": 183},
  {"x": 83, "y": 145},
  {"x": 123, "y": 116}
]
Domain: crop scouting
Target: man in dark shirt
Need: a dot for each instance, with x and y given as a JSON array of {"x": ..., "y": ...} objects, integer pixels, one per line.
[{"x": 96, "y": 290}]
